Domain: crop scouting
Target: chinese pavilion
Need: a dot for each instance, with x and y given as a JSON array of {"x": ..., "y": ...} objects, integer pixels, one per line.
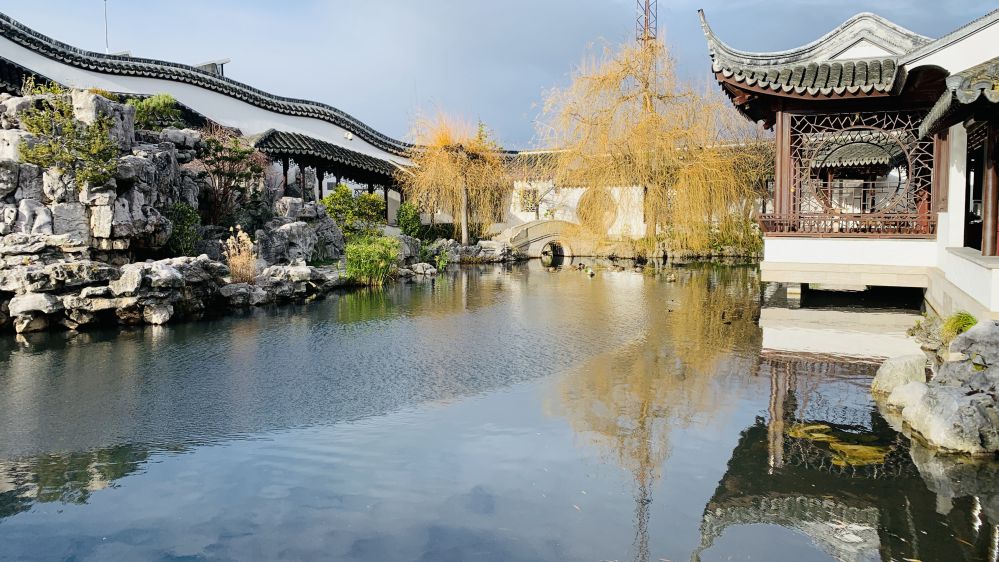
[{"x": 885, "y": 171}]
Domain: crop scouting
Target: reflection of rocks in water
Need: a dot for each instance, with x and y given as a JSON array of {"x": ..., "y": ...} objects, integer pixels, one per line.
[
  {"x": 951, "y": 477},
  {"x": 826, "y": 465},
  {"x": 66, "y": 478}
]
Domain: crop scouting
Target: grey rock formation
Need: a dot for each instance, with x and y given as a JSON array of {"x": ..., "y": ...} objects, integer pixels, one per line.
[
  {"x": 958, "y": 410},
  {"x": 88, "y": 107},
  {"x": 10, "y": 171},
  {"x": 409, "y": 249},
  {"x": 10, "y": 143},
  {"x": 898, "y": 371}
]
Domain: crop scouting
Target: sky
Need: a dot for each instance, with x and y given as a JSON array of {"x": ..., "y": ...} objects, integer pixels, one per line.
[{"x": 388, "y": 61}]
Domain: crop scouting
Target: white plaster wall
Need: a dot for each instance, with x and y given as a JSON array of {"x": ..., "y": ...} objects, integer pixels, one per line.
[
  {"x": 249, "y": 119},
  {"x": 964, "y": 53},
  {"x": 980, "y": 283},
  {"x": 561, "y": 204},
  {"x": 904, "y": 253}
]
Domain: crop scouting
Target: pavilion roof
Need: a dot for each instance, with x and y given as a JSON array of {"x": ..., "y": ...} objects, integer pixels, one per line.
[
  {"x": 823, "y": 67},
  {"x": 966, "y": 92},
  {"x": 280, "y": 143}
]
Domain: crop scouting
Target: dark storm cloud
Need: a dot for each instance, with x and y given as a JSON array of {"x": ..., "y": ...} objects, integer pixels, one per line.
[{"x": 386, "y": 61}]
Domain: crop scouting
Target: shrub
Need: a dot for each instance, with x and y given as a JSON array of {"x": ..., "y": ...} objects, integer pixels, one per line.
[
  {"x": 370, "y": 260},
  {"x": 105, "y": 94},
  {"x": 957, "y": 324},
  {"x": 76, "y": 148},
  {"x": 230, "y": 165},
  {"x": 241, "y": 257},
  {"x": 156, "y": 112},
  {"x": 408, "y": 219},
  {"x": 185, "y": 221},
  {"x": 358, "y": 217},
  {"x": 441, "y": 260}
]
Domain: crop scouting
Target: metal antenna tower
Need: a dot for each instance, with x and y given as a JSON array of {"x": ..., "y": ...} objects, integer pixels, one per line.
[
  {"x": 107, "y": 44},
  {"x": 648, "y": 20}
]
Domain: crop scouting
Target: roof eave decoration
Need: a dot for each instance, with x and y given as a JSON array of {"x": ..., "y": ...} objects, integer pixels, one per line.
[
  {"x": 151, "y": 68},
  {"x": 811, "y": 70},
  {"x": 966, "y": 92}
]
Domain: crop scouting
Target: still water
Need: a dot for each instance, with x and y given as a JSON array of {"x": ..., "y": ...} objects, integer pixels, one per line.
[{"x": 496, "y": 413}]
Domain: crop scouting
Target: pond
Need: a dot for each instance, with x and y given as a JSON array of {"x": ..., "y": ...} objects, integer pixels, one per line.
[{"x": 496, "y": 413}]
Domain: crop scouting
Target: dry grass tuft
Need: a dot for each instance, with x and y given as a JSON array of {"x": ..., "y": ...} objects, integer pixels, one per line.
[{"x": 241, "y": 256}]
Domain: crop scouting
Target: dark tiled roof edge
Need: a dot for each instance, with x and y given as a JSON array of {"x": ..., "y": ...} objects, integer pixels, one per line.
[{"x": 150, "y": 68}]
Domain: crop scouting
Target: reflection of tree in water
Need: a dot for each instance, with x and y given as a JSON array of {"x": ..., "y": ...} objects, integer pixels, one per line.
[
  {"x": 453, "y": 291},
  {"x": 628, "y": 400},
  {"x": 66, "y": 478}
]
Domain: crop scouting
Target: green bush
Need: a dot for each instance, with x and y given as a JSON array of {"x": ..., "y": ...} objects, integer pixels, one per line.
[
  {"x": 408, "y": 219},
  {"x": 156, "y": 112},
  {"x": 441, "y": 261},
  {"x": 359, "y": 217},
  {"x": 84, "y": 151},
  {"x": 957, "y": 324},
  {"x": 186, "y": 221},
  {"x": 370, "y": 260}
]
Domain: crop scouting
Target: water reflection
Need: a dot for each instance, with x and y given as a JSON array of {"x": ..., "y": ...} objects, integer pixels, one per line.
[
  {"x": 463, "y": 418},
  {"x": 628, "y": 400},
  {"x": 65, "y": 478},
  {"x": 824, "y": 463}
]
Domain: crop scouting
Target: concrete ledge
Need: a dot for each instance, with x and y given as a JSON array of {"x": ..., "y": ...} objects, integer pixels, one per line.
[
  {"x": 845, "y": 274},
  {"x": 976, "y": 257}
]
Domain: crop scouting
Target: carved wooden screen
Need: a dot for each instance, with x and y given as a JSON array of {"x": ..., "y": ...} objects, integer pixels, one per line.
[{"x": 858, "y": 174}]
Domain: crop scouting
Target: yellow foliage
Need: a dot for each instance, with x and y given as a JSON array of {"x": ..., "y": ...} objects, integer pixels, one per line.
[
  {"x": 458, "y": 170},
  {"x": 241, "y": 256},
  {"x": 626, "y": 120}
]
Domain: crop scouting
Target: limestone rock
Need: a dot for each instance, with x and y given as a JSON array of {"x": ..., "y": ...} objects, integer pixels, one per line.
[
  {"x": 290, "y": 207},
  {"x": 980, "y": 343},
  {"x": 33, "y": 218},
  {"x": 10, "y": 171},
  {"x": 29, "y": 182},
  {"x": 905, "y": 395},
  {"x": 88, "y": 107},
  {"x": 10, "y": 143},
  {"x": 409, "y": 249},
  {"x": 58, "y": 186},
  {"x": 30, "y": 323},
  {"x": 43, "y": 303},
  {"x": 8, "y": 218},
  {"x": 424, "y": 269},
  {"x": 949, "y": 418},
  {"x": 181, "y": 138},
  {"x": 71, "y": 219},
  {"x": 286, "y": 243},
  {"x": 157, "y": 314},
  {"x": 898, "y": 371}
]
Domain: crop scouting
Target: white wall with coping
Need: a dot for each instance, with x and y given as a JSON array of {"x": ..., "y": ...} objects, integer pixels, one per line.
[
  {"x": 847, "y": 251},
  {"x": 248, "y": 118},
  {"x": 963, "y": 52}
]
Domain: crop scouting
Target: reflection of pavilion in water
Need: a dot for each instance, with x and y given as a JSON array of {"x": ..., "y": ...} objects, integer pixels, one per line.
[{"x": 825, "y": 464}]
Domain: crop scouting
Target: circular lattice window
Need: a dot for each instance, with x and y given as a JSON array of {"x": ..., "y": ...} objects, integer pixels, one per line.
[
  {"x": 596, "y": 210},
  {"x": 860, "y": 171}
]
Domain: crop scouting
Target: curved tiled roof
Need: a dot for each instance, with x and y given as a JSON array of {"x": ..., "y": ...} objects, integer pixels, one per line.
[
  {"x": 279, "y": 143},
  {"x": 150, "y": 68},
  {"x": 979, "y": 84},
  {"x": 813, "y": 69}
]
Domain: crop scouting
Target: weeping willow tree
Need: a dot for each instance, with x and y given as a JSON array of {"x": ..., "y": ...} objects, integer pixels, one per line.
[
  {"x": 458, "y": 170},
  {"x": 627, "y": 121}
]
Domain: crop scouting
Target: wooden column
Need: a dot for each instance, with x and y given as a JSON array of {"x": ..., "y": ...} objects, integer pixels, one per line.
[
  {"x": 284, "y": 170},
  {"x": 371, "y": 189},
  {"x": 783, "y": 196},
  {"x": 386, "y": 190},
  {"x": 990, "y": 197}
]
